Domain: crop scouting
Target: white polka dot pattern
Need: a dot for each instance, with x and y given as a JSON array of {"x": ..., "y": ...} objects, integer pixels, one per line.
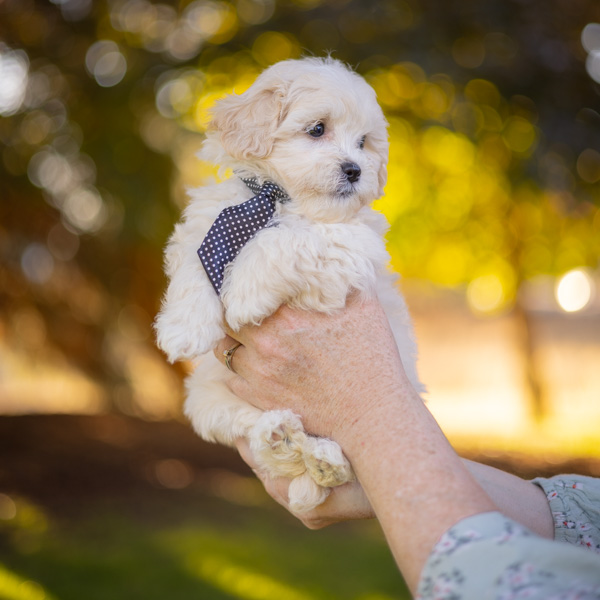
[{"x": 235, "y": 226}]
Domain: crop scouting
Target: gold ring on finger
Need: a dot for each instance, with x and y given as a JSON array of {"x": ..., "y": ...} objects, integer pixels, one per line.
[{"x": 228, "y": 354}]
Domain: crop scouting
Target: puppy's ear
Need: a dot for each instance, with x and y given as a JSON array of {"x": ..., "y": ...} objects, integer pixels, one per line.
[{"x": 246, "y": 124}]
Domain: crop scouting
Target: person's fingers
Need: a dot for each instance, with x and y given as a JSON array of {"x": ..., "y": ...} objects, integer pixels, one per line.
[
  {"x": 243, "y": 447},
  {"x": 345, "y": 502},
  {"x": 282, "y": 317},
  {"x": 238, "y": 361},
  {"x": 276, "y": 487},
  {"x": 243, "y": 334},
  {"x": 231, "y": 333},
  {"x": 224, "y": 344},
  {"x": 235, "y": 348}
]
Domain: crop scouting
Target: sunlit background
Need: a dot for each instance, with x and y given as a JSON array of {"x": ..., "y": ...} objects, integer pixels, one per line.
[{"x": 493, "y": 200}]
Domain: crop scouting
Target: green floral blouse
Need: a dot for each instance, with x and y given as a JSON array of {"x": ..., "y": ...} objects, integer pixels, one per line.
[{"x": 491, "y": 557}]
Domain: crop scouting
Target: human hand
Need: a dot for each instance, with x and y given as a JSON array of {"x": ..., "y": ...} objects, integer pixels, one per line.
[
  {"x": 330, "y": 369},
  {"x": 345, "y": 502},
  {"x": 343, "y": 375}
]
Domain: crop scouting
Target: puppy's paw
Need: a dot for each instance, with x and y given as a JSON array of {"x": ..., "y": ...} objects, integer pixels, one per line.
[
  {"x": 249, "y": 297},
  {"x": 190, "y": 322},
  {"x": 239, "y": 312},
  {"x": 326, "y": 463},
  {"x": 185, "y": 339},
  {"x": 277, "y": 441},
  {"x": 304, "y": 494}
]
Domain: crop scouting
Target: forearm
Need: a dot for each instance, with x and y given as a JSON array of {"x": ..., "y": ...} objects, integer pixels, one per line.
[
  {"x": 468, "y": 488},
  {"x": 418, "y": 487},
  {"x": 416, "y": 505},
  {"x": 516, "y": 498}
]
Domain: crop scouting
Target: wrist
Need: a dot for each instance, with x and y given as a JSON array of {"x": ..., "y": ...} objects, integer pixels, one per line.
[{"x": 377, "y": 420}]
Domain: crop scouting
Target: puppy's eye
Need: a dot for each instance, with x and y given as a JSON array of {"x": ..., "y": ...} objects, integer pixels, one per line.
[
  {"x": 361, "y": 143},
  {"x": 317, "y": 131}
]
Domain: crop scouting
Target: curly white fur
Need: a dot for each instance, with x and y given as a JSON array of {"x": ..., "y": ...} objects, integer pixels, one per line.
[{"x": 327, "y": 243}]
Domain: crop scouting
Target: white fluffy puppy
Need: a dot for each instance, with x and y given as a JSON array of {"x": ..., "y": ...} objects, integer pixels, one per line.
[{"x": 314, "y": 128}]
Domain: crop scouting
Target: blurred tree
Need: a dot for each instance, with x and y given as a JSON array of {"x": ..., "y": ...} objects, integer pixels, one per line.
[{"x": 494, "y": 172}]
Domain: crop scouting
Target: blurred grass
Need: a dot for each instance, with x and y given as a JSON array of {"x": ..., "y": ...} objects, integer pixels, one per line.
[
  {"x": 194, "y": 548},
  {"x": 107, "y": 507}
]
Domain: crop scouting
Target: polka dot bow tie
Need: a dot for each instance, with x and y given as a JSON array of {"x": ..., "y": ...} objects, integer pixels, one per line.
[{"x": 235, "y": 226}]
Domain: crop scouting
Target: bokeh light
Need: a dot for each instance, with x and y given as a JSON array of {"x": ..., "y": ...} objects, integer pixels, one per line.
[
  {"x": 8, "y": 508},
  {"x": 84, "y": 209},
  {"x": 74, "y": 10},
  {"x": 590, "y": 40},
  {"x": 37, "y": 263},
  {"x": 14, "y": 66},
  {"x": 592, "y": 64},
  {"x": 485, "y": 294},
  {"x": 173, "y": 474},
  {"x": 271, "y": 47},
  {"x": 14, "y": 586},
  {"x": 106, "y": 63},
  {"x": 588, "y": 165},
  {"x": 590, "y": 37},
  {"x": 574, "y": 290}
]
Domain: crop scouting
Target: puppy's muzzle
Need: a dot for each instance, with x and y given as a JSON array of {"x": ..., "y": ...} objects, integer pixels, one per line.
[{"x": 351, "y": 171}]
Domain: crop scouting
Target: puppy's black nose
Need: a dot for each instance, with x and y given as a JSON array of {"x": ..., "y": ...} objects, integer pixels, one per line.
[{"x": 351, "y": 171}]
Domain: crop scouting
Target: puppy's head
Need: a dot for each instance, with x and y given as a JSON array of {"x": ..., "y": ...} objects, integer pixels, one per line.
[{"x": 314, "y": 127}]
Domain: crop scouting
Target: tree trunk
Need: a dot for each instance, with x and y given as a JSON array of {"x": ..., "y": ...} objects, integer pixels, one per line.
[{"x": 533, "y": 384}]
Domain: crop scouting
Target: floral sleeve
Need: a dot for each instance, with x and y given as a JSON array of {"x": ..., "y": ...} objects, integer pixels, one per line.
[
  {"x": 491, "y": 557},
  {"x": 575, "y": 504}
]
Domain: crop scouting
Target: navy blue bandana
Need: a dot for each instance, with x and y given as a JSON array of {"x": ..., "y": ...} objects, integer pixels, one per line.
[{"x": 235, "y": 226}]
